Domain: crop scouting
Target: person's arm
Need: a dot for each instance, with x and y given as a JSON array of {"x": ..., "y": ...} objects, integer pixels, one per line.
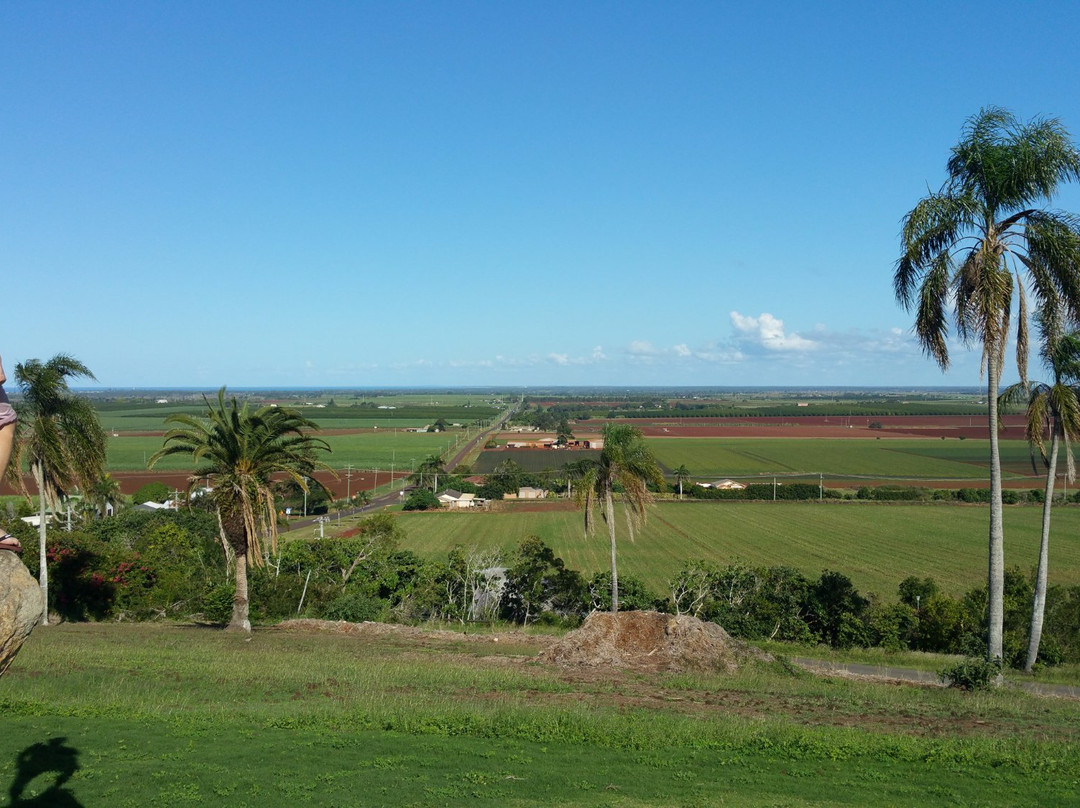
[{"x": 3, "y": 376}]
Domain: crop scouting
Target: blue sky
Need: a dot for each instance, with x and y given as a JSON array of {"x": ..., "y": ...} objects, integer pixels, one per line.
[{"x": 473, "y": 193}]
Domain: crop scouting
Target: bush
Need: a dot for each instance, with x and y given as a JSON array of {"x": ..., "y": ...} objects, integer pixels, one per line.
[
  {"x": 355, "y": 607},
  {"x": 972, "y": 674},
  {"x": 151, "y": 492},
  {"x": 421, "y": 499},
  {"x": 217, "y": 605},
  {"x": 633, "y": 594}
]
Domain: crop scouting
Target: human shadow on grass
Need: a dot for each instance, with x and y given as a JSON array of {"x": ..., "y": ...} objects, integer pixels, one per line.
[{"x": 41, "y": 759}]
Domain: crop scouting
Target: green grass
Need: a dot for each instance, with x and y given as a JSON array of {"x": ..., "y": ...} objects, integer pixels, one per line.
[
  {"x": 905, "y": 459},
  {"x": 142, "y": 415},
  {"x": 159, "y": 715},
  {"x": 877, "y": 545}
]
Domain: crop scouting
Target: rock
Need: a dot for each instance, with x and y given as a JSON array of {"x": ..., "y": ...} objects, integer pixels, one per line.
[{"x": 21, "y": 606}]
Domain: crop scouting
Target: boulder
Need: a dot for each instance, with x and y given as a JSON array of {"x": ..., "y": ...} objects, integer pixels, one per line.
[{"x": 21, "y": 606}]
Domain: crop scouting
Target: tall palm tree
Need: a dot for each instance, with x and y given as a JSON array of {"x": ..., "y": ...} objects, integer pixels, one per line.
[
  {"x": 433, "y": 465},
  {"x": 971, "y": 246},
  {"x": 239, "y": 449},
  {"x": 626, "y": 461},
  {"x": 104, "y": 493},
  {"x": 682, "y": 475},
  {"x": 1054, "y": 410},
  {"x": 61, "y": 440}
]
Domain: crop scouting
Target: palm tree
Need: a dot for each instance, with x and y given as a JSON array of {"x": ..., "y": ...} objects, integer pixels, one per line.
[
  {"x": 969, "y": 245},
  {"x": 104, "y": 493},
  {"x": 682, "y": 475},
  {"x": 1052, "y": 409},
  {"x": 61, "y": 440},
  {"x": 433, "y": 465},
  {"x": 626, "y": 461},
  {"x": 239, "y": 450}
]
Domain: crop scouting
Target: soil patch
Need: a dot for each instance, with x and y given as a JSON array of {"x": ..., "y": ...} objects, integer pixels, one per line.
[
  {"x": 650, "y": 641},
  {"x": 395, "y": 631}
]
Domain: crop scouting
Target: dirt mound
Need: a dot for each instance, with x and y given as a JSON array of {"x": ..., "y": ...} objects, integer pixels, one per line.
[{"x": 650, "y": 641}]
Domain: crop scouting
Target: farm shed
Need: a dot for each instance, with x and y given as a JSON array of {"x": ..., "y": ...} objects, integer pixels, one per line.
[
  {"x": 455, "y": 499},
  {"x": 723, "y": 485}
]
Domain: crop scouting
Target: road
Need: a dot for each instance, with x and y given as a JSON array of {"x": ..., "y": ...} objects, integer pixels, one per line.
[
  {"x": 395, "y": 497},
  {"x": 923, "y": 677}
]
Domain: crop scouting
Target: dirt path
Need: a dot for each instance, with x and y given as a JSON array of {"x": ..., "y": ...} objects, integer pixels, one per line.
[{"x": 887, "y": 673}]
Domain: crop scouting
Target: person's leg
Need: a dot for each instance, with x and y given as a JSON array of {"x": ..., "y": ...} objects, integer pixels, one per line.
[{"x": 7, "y": 440}]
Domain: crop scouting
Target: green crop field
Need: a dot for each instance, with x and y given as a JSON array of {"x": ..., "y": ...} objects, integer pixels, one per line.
[
  {"x": 877, "y": 545},
  {"x": 378, "y": 448},
  {"x": 901, "y": 458},
  {"x": 403, "y": 412}
]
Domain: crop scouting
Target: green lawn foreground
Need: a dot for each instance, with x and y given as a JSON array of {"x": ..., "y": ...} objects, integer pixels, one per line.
[
  {"x": 877, "y": 545},
  {"x": 161, "y": 715}
]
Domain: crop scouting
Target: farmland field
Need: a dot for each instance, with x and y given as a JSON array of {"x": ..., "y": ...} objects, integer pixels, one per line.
[
  {"x": 848, "y": 459},
  {"x": 531, "y": 460},
  {"x": 367, "y": 449},
  {"x": 877, "y": 545},
  {"x": 900, "y": 458}
]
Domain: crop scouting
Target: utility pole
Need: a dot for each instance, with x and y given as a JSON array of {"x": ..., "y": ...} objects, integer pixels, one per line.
[{"x": 348, "y": 481}]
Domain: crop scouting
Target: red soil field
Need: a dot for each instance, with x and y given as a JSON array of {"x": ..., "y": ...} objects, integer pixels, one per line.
[{"x": 899, "y": 426}]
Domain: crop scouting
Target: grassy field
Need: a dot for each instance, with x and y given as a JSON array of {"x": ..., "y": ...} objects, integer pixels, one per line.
[
  {"x": 363, "y": 450},
  {"x": 906, "y": 459},
  {"x": 877, "y": 545},
  {"x": 344, "y": 412},
  {"x": 151, "y": 715}
]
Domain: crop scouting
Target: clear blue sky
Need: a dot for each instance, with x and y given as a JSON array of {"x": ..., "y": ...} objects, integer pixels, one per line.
[{"x": 490, "y": 193}]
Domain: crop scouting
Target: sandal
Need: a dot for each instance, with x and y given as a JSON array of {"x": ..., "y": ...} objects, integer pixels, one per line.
[{"x": 9, "y": 542}]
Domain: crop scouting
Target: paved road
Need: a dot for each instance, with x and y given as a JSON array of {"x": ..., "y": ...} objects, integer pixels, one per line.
[
  {"x": 925, "y": 677},
  {"x": 395, "y": 497}
]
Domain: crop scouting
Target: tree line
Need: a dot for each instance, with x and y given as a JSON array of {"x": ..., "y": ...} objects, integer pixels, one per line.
[{"x": 169, "y": 565}]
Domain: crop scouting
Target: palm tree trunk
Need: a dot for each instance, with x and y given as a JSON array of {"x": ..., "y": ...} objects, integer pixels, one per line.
[
  {"x": 611, "y": 534},
  {"x": 239, "y": 621},
  {"x": 1038, "y": 606},
  {"x": 996, "y": 576},
  {"x": 43, "y": 565}
]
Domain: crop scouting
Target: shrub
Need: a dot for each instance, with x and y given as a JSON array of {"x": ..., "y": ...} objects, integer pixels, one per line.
[
  {"x": 355, "y": 607},
  {"x": 972, "y": 674},
  {"x": 421, "y": 499},
  {"x": 633, "y": 594},
  {"x": 151, "y": 492}
]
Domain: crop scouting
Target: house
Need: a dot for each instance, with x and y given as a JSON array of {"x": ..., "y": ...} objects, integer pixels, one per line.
[
  {"x": 527, "y": 492},
  {"x": 455, "y": 499},
  {"x": 542, "y": 443},
  {"x": 725, "y": 485}
]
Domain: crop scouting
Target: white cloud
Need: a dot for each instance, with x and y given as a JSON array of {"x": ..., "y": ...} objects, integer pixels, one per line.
[
  {"x": 768, "y": 332},
  {"x": 559, "y": 358},
  {"x": 641, "y": 348},
  {"x": 682, "y": 350}
]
